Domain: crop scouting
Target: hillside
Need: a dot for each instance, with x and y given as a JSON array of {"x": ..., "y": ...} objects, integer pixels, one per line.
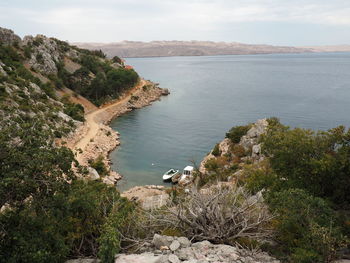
[
  {"x": 47, "y": 214},
  {"x": 264, "y": 187},
  {"x": 127, "y": 49}
]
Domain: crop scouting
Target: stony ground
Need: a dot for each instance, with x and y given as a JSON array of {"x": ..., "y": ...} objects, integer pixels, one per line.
[{"x": 167, "y": 249}]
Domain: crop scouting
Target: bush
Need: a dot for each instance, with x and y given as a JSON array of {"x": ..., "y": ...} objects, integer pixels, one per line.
[
  {"x": 318, "y": 162},
  {"x": 216, "y": 151},
  {"x": 306, "y": 226},
  {"x": 111, "y": 237},
  {"x": 74, "y": 110},
  {"x": 220, "y": 215},
  {"x": 235, "y": 134},
  {"x": 99, "y": 166}
]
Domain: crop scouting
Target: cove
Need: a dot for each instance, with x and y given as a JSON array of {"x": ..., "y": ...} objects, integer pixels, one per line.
[{"x": 209, "y": 95}]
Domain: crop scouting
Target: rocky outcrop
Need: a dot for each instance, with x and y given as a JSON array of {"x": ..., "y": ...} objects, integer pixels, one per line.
[
  {"x": 165, "y": 92},
  {"x": 148, "y": 196},
  {"x": 250, "y": 143},
  {"x": 45, "y": 54},
  {"x": 224, "y": 147},
  {"x": 8, "y": 37},
  {"x": 2, "y": 71},
  {"x": 253, "y": 135},
  {"x": 167, "y": 249}
]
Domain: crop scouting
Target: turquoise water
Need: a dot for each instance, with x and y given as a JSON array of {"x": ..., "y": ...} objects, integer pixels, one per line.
[{"x": 209, "y": 95}]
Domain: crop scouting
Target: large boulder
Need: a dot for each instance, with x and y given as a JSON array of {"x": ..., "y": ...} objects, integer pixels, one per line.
[
  {"x": 162, "y": 241},
  {"x": 93, "y": 174}
]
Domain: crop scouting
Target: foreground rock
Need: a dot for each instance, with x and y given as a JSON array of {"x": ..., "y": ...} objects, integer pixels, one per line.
[
  {"x": 149, "y": 196},
  {"x": 166, "y": 249}
]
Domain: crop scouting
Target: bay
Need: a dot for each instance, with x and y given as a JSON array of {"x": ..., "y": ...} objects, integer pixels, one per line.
[{"x": 209, "y": 95}]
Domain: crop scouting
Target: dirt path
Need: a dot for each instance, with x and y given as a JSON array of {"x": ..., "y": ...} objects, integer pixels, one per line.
[{"x": 93, "y": 123}]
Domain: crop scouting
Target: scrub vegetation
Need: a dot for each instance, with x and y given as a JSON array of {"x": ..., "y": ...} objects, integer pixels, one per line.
[{"x": 297, "y": 196}]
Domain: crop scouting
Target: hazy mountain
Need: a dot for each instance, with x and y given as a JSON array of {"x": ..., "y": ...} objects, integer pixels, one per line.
[
  {"x": 186, "y": 48},
  {"x": 334, "y": 48}
]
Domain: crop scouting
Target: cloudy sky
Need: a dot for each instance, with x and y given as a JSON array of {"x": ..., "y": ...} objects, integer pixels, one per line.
[{"x": 279, "y": 22}]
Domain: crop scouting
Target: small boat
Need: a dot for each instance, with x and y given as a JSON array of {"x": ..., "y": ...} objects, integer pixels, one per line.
[
  {"x": 187, "y": 173},
  {"x": 169, "y": 174}
]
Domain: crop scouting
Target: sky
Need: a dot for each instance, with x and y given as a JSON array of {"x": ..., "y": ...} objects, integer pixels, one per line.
[{"x": 276, "y": 22}]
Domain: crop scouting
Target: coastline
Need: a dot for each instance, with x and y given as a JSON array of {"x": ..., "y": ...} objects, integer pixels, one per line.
[{"x": 95, "y": 138}]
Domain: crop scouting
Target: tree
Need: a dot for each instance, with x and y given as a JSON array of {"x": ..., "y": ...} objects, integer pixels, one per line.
[{"x": 318, "y": 162}]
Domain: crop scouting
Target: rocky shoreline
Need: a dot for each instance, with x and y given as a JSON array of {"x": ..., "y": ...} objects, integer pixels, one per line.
[{"x": 106, "y": 139}]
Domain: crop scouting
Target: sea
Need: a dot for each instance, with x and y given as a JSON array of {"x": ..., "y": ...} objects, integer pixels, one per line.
[{"x": 211, "y": 94}]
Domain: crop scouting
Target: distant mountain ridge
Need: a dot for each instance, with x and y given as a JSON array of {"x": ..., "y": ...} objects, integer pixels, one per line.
[
  {"x": 186, "y": 48},
  {"x": 198, "y": 48}
]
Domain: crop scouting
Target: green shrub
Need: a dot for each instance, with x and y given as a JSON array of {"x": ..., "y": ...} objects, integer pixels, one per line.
[
  {"x": 74, "y": 110},
  {"x": 318, "y": 162},
  {"x": 110, "y": 239},
  {"x": 216, "y": 151},
  {"x": 99, "y": 166},
  {"x": 306, "y": 226},
  {"x": 39, "y": 58},
  {"x": 235, "y": 134},
  {"x": 27, "y": 52}
]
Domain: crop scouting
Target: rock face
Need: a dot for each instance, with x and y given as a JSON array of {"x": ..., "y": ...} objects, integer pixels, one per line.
[
  {"x": 250, "y": 143},
  {"x": 254, "y": 133},
  {"x": 149, "y": 197},
  {"x": 45, "y": 54},
  {"x": 8, "y": 37},
  {"x": 182, "y": 250}
]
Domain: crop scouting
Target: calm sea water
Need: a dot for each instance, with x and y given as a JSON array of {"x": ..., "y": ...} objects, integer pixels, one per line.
[{"x": 209, "y": 95}]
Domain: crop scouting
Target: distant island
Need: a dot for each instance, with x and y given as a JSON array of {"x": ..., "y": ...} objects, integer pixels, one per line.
[{"x": 129, "y": 49}]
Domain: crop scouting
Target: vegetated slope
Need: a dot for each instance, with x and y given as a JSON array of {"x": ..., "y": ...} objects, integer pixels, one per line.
[
  {"x": 186, "y": 48},
  {"x": 47, "y": 215},
  {"x": 303, "y": 176}
]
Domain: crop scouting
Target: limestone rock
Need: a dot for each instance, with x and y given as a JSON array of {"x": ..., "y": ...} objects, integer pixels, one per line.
[
  {"x": 184, "y": 242},
  {"x": 141, "y": 258},
  {"x": 159, "y": 241},
  {"x": 256, "y": 151},
  {"x": 252, "y": 136},
  {"x": 8, "y": 37},
  {"x": 93, "y": 174},
  {"x": 174, "y": 259},
  {"x": 83, "y": 260},
  {"x": 174, "y": 245},
  {"x": 64, "y": 116},
  {"x": 200, "y": 252},
  {"x": 165, "y": 92},
  {"x": 45, "y": 54},
  {"x": 2, "y": 71}
]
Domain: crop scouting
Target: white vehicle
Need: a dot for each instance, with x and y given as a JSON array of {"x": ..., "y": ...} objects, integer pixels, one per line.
[{"x": 169, "y": 174}]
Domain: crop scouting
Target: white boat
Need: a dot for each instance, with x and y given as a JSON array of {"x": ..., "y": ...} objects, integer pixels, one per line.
[
  {"x": 187, "y": 173},
  {"x": 169, "y": 174}
]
